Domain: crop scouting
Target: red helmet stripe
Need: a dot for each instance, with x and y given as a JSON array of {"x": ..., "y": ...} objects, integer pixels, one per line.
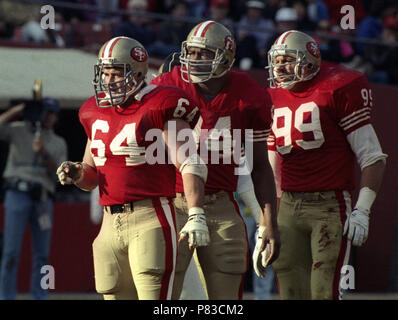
[
  {"x": 202, "y": 28},
  {"x": 112, "y": 46},
  {"x": 285, "y": 36},
  {"x": 197, "y": 28},
  {"x": 109, "y": 47}
]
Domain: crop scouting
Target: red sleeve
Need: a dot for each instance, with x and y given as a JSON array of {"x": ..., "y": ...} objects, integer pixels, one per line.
[
  {"x": 167, "y": 78},
  {"x": 353, "y": 104},
  {"x": 86, "y": 115}
]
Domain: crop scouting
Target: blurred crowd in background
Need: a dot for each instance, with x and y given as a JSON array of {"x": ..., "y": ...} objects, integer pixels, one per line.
[{"x": 161, "y": 26}]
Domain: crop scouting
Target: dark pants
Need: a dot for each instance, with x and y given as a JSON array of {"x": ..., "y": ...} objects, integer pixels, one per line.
[{"x": 20, "y": 210}]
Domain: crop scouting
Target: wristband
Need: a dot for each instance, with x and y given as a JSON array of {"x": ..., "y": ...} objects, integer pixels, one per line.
[
  {"x": 195, "y": 210},
  {"x": 261, "y": 230},
  {"x": 366, "y": 198}
]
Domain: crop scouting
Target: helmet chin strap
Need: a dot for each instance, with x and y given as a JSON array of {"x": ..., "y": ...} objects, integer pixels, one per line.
[{"x": 198, "y": 79}]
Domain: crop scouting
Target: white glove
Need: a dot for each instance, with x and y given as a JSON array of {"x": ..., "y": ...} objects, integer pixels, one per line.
[
  {"x": 357, "y": 225},
  {"x": 260, "y": 257},
  {"x": 70, "y": 172},
  {"x": 196, "y": 229}
]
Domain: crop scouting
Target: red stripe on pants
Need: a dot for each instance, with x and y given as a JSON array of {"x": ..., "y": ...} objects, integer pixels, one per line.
[
  {"x": 169, "y": 263},
  {"x": 343, "y": 246}
]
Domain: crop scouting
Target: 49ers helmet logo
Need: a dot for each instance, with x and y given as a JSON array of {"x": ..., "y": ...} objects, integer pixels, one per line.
[
  {"x": 230, "y": 43},
  {"x": 139, "y": 54},
  {"x": 313, "y": 48}
]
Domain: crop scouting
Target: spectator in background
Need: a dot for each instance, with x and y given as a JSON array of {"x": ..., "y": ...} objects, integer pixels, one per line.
[
  {"x": 371, "y": 26},
  {"x": 285, "y": 19},
  {"x": 35, "y": 152},
  {"x": 271, "y": 7},
  {"x": 196, "y": 8},
  {"x": 303, "y": 22},
  {"x": 218, "y": 11},
  {"x": 31, "y": 31},
  {"x": 384, "y": 58},
  {"x": 171, "y": 32},
  {"x": 237, "y": 9},
  {"x": 317, "y": 10},
  {"x": 81, "y": 14},
  {"x": 137, "y": 26},
  {"x": 332, "y": 50},
  {"x": 252, "y": 35},
  {"x": 106, "y": 7},
  {"x": 13, "y": 14}
]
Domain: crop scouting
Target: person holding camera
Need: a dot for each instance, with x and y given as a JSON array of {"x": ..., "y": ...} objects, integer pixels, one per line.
[{"x": 35, "y": 152}]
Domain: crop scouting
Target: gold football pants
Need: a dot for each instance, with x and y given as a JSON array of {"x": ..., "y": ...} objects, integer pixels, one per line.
[
  {"x": 224, "y": 261},
  {"x": 135, "y": 252},
  {"x": 313, "y": 249}
]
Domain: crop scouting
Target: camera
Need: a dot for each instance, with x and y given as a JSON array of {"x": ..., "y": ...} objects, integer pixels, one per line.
[
  {"x": 34, "y": 111},
  {"x": 36, "y": 108}
]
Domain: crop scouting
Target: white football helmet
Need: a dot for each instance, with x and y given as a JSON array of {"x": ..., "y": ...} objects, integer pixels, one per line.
[
  {"x": 212, "y": 36},
  {"x": 307, "y": 61},
  {"x": 125, "y": 53}
]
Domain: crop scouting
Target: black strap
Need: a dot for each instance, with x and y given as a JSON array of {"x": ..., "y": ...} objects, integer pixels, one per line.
[{"x": 120, "y": 208}]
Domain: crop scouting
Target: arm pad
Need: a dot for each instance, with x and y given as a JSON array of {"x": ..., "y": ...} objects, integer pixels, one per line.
[
  {"x": 366, "y": 146},
  {"x": 194, "y": 165}
]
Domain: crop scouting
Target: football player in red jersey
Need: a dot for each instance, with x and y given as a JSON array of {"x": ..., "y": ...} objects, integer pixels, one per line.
[
  {"x": 229, "y": 101},
  {"x": 135, "y": 251},
  {"x": 321, "y": 126}
]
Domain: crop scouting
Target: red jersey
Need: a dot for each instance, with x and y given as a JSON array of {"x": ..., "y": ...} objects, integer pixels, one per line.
[
  {"x": 310, "y": 127},
  {"x": 127, "y": 171},
  {"x": 241, "y": 104}
]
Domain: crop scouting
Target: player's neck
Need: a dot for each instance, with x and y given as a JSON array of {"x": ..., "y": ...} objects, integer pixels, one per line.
[
  {"x": 301, "y": 86},
  {"x": 212, "y": 87}
]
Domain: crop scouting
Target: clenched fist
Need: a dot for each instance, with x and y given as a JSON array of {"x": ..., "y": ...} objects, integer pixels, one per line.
[{"x": 70, "y": 172}]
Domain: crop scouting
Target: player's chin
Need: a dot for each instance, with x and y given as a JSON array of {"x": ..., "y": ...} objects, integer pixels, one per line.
[
  {"x": 283, "y": 77},
  {"x": 200, "y": 70},
  {"x": 117, "y": 92}
]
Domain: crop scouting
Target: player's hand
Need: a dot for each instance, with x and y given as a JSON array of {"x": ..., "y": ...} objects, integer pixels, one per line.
[
  {"x": 271, "y": 243},
  {"x": 356, "y": 226},
  {"x": 261, "y": 253},
  {"x": 70, "y": 172},
  {"x": 195, "y": 229}
]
